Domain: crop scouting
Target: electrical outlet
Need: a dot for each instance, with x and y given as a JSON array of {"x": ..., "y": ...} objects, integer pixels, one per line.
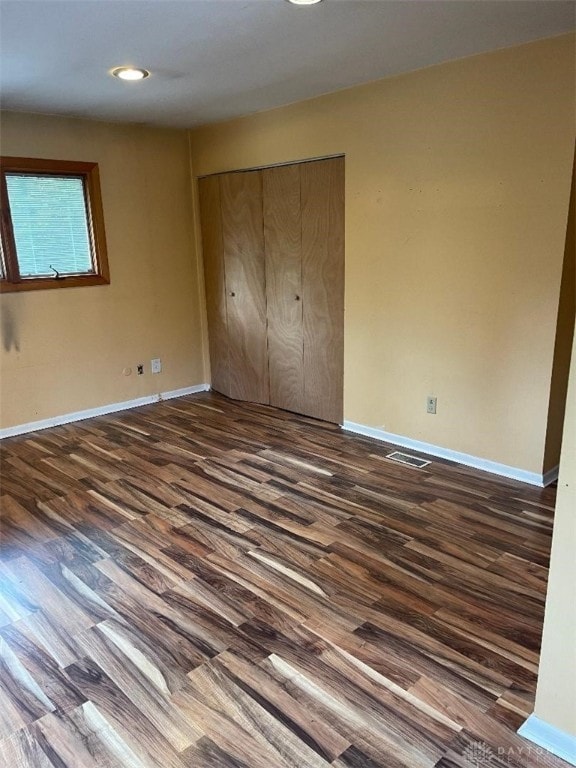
[
  {"x": 156, "y": 365},
  {"x": 140, "y": 369},
  {"x": 431, "y": 404}
]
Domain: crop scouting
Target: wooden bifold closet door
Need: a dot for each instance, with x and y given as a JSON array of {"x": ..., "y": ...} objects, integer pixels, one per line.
[
  {"x": 234, "y": 276},
  {"x": 273, "y": 243},
  {"x": 283, "y": 241},
  {"x": 244, "y": 268},
  {"x": 322, "y": 205}
]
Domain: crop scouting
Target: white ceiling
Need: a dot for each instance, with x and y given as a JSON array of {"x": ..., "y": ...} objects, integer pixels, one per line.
[{"x": 216, "y": 59}]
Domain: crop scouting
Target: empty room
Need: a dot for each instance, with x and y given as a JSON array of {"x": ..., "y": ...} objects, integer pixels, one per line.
[{"x": 287, "y": 384}]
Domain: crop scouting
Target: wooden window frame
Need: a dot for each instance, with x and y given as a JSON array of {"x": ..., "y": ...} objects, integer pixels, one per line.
[{"x": 11, "y": 279}]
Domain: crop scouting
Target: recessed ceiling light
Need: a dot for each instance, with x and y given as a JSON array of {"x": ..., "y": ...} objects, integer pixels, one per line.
[
  {"x": 130, "y": 73},
  {"x": 304, "y": 2}
]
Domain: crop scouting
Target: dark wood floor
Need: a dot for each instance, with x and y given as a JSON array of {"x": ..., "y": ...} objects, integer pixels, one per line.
[{"x": 207, "y": 584}]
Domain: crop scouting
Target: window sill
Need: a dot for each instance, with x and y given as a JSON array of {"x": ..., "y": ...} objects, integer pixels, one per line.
[{"x": 43, "y": 283}]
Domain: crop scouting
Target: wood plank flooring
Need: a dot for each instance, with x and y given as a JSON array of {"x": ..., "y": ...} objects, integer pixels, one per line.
[{"x": 210, "y": 584}]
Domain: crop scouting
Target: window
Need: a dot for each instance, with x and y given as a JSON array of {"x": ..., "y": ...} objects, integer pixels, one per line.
[{"x": 52, "y": 225}]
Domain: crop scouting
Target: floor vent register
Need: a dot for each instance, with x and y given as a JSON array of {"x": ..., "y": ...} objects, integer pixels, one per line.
[{"x": 406, "y": 458}]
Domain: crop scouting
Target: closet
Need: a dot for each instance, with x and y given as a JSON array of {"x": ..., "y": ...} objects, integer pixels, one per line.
[{"x": 273, "y": 247}]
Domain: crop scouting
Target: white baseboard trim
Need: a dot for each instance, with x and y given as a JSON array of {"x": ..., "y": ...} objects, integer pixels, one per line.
[
  {"x": 552, "y": 739},
  {"x": 184, "y": 391},
  {"x": 551, "y": 476},
  {"x": 533, "y": 478},
  {"x": 67, "y": 418}
]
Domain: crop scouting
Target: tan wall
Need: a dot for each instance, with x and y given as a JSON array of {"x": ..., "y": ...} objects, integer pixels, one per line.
[
  {"x": 457, "y": 187},
  {"x": 64, "y": 350},
  {"x": 556, "y": 692}
]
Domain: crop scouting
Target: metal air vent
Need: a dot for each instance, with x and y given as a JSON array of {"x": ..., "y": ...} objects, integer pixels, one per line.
[{"x": 406, "y": 458}]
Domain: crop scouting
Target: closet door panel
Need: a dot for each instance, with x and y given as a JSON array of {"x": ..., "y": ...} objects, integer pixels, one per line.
[
  {"x": 282, "y": 235},
  {"x": 243, "y": 243},
  {"x": 322, "y": 195},
  {"x": 210, "y": 220}
]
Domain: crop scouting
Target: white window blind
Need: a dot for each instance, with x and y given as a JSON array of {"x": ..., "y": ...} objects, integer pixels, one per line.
[{"x": 50, "y": 225}]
